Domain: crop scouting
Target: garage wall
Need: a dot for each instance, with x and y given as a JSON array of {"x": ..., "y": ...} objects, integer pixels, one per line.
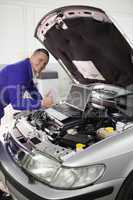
[{"x": 18, "y": 20}]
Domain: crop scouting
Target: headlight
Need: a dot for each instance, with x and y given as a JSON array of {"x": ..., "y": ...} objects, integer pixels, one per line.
[
  {"x": 40, "y": 166},
  {"x": 77, "y": 177},
  {"x": 51, "y": 172}
]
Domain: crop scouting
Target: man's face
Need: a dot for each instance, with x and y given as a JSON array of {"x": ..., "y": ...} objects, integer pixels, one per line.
[{"x": 39, "y": 61}]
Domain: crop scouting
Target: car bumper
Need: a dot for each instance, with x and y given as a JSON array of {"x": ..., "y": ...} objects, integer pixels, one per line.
[{"x": 23, "y": 187}]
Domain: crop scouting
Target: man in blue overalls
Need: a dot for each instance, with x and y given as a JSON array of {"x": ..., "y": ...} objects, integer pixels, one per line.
[{"x": 17, "y": 78}]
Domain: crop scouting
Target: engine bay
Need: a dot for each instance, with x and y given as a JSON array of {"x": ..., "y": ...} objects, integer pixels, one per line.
[{"x": 64, "y": 136}]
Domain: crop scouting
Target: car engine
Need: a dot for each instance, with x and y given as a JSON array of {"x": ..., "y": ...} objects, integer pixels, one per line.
[{"x": 62, "y": 138}]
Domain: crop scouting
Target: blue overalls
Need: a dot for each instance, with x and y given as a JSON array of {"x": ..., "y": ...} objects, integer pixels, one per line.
[{"x": 15, "y": 79}]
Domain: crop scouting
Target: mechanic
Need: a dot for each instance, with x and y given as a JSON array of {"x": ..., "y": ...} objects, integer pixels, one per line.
[{"x": 15, "y": 80}]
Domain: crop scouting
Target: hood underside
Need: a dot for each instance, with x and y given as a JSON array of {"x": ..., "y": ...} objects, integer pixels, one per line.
[{"x": 88, "y": 44}]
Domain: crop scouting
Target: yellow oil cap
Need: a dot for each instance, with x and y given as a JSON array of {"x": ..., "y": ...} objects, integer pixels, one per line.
[
  {"x": 109, "y": 129},
  {"x": 80, "y": 146}
]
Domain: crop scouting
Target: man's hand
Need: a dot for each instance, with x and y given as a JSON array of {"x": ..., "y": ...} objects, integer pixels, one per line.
[{"x": 47, "y": 102}]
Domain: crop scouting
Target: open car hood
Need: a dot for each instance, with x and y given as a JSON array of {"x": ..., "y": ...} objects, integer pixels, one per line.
[{"x": 88, "y": 45}]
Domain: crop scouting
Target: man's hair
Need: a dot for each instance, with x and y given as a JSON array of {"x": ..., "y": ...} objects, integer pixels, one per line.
[{"x": 41, "y": 50}]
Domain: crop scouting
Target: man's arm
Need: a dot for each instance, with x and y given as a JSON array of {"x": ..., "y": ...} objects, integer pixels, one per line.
[
  {"x": 32, "y": 89},
  {"x": 20, "y": 103},
  {"x": 35, "y": 94}
]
